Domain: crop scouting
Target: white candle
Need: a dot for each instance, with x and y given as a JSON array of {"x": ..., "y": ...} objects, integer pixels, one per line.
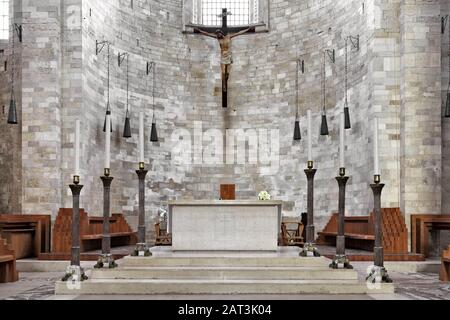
[
  {"x": 108, "y": 143},
  {"x": 141, "y": 138},
  {"x": 77, "y": 148},
  {"x": 310, "y": 157},
  {"x": 375, "y": 148},
  {"x": 342, "y": 148}
]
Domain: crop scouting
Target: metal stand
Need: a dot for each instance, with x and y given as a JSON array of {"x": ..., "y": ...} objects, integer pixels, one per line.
[
  {"x": 340, "y": 260},
  {"x": 142, "y": 249},
  {"x": 309, "y": 248},
  {"x": 106, "y": 260},
  {"x": 74, "y": 272},
  {"x": 378, "y": 274}
]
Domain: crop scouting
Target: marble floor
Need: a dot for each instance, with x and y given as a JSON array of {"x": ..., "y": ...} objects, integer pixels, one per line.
[{"x": 409, "y": 286}]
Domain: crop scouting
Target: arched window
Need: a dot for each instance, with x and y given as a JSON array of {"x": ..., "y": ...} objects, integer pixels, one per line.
[
  {"x": 240, "y": 12},
  {"x": 4, "y": 19}
]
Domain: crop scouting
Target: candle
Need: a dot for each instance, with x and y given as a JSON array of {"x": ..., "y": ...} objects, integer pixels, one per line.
[
  {"x": 342, "y": 148},
  {"x": 375, "y": 149},
  {"x": 108, "y": 143},
  {"x": 141, "y": 138},
  {"x": 77, "y": 148},
  {"x": 310, "y": 157}
]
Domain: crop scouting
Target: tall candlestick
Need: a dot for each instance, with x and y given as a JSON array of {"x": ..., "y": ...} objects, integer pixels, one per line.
[
  {"x": 141, "y": 138},
  {"x": 77, "y": 148},
  {"x": 108, "y": 143},
  {"x": 342, "y": 136},
  {"x": 375, "y": 149},
  {"x": 310, "y": 157}
]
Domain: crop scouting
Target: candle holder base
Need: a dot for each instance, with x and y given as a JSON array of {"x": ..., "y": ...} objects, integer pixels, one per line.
[
  {"x": 106, "y": 261},
  {"x": 341, "y": 262},
  {"x": 310, "y": 250},
  {"x": 378, "y": 274},
  {"x": 74, "y": 274},
  {"x": 142, "y": 250}
]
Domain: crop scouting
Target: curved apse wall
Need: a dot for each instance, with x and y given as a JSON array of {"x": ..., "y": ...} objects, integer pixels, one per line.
[{"x": 262, "y": 96}]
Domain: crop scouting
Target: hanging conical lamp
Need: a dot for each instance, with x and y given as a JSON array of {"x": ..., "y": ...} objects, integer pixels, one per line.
[
  {"x": 127, "y": 127},
  {"x": 154, "y": 133},
  {"x": 108, "y": 113},
  {"x": 297, "y": 132},
  {"x": 348, "y": 124},
  {"x": 324, "y": 127},
  {"x": 12, "y": 115},
  {"x": 447, "y": 106}
]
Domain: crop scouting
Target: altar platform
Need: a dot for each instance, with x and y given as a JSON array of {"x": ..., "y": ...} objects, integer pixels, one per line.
[{"x": 185, "y": 273}]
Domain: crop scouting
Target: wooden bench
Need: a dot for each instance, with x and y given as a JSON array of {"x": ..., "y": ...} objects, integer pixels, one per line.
[
  {"x": 360, "y": 232},
  {"x": 91, "y": 232},
  {"x": 445, "y": 266},
  {"x": 8, "y": 272},
  {"x": 421, "y": 226},
  {"x": 28, "y": 235}
]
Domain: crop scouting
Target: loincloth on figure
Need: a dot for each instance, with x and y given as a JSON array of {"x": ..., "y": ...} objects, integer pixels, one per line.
[{"x": 227, "y": 59}]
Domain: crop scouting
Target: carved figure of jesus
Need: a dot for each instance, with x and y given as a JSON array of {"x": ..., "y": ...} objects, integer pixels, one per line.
[{"x": 226, "y": 54}]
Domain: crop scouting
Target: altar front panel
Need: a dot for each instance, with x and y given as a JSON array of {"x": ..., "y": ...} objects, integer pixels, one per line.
[{"x": 225, "y": 226}]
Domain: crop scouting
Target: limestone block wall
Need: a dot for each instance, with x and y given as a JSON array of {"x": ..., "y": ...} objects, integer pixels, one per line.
[
  {"x": 421, "y": 114},
  {"x": 262, "y": 96},
  {"x": 11, "y": 137},
  {"x": 396, "y": 75}
]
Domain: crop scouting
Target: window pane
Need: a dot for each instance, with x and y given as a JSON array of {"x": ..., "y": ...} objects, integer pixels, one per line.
[
  {"x": 4, "y": 19},
  {"x": 240, "y": 12}
]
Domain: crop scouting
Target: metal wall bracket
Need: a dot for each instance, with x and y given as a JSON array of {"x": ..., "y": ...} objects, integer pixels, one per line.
[
  {"x": 99, "y": 45},
  {"x": 444, "y": 21},
  {"x": 331, "y": 54},
  {"x": 18, "y": 29},
  {"x": 121, "y": 57},
  {"x": 355, "y": 42},
  {"x": 150, "y": 66}
]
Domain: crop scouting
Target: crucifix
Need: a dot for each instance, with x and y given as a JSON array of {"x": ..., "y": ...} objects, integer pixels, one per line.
[{"x": 224, "y": 36}]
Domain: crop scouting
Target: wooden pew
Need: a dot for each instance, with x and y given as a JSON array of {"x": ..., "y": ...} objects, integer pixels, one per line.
[
  {"x": 8, "y": 272},
  {"x": 422, "y": 225},
  {"x": 28, "y": 235},
  {"x": 292, "y": 232},
  {"x": 91, "y": 232},
  {"x": 360, "y": 232},
  {"x": 162, "y": 237},
  {"x": 445, "y": 266}
]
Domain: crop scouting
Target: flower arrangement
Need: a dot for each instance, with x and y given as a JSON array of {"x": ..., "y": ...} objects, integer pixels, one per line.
[{"x": 264, "y": 196}]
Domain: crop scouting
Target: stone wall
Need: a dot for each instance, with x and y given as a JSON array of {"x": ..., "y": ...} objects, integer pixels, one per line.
[{"x": 396, "y": 76}]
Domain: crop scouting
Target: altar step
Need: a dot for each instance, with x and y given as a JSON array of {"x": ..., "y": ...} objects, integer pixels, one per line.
[
  {"x": 211, "y": 287},
  {"x": 230, "y": 261},
  {"x": 225, "y": 273},
  {"x": 186, "y": 275}
]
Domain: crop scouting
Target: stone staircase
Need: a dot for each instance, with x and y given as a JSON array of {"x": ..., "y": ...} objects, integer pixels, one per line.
[{"x": 184, "y": 275}]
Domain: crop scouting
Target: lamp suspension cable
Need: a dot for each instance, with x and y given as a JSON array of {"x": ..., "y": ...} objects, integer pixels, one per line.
[
  {"x": 324, "y": 126},
  {"x": 128, "y": 85},
  {"x": 12, "y": 114},
  {"x": 447, "y": 103},
  {"x": 153, "y": 89},
  {"x": 346, "y": 72},
  {"x": 297, "y": 131}
]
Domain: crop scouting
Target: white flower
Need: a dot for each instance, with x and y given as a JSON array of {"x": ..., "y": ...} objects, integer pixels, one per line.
[{"x": 264, "y": 196}]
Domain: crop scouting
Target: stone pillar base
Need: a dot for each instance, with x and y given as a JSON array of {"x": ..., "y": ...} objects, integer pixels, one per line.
[
  {"x": 378, "y": 275},
  {"x": 106, "y": 261},
  {"x": 340, "y": 262},
  {"x": 310, "y": 250},
  {"x": 74, "y": 274},
  {"x": 141, "y": 250}
]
